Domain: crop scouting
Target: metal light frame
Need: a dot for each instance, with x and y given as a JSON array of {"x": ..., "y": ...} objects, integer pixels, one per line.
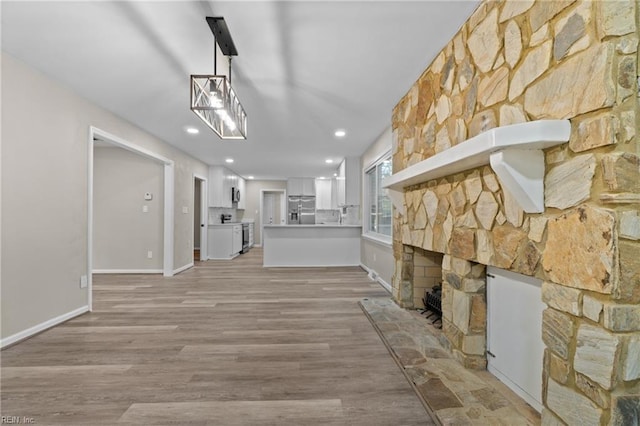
[
  {"x": 212, "y": 97},
  {"x": 215, "y": 102}
]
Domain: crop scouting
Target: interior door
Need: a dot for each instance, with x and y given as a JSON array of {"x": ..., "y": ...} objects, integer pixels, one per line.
[
  {"x": 268, "y": 209},
  {"x": 514, "y": 332}
]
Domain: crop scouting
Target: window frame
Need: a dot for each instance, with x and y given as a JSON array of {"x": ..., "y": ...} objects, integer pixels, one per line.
[{"x": 368, "y": 233}]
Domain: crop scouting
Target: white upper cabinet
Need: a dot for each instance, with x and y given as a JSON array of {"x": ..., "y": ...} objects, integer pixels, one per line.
[
  {"x": 221, "y": 180},
  {"x": 301, "y": 186},
  {"x": 324, "y": 195},
  {"x": 294, "y": 186},
  {"x": 218, "y": 183},
  {"x": 309, "y": 186},
  {"x": 348, "y": 182}
]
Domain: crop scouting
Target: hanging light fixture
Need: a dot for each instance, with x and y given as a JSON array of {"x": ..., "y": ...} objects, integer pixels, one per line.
[{"x": 212, "y": 97}]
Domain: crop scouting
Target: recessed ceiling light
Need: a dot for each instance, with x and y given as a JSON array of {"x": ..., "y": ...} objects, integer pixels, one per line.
[
  {"x": 340, "y": 133},
  {"x": 192, "y": 130},
  {"x": 322, "y": 177},
  {"x": 328, "y": 161},
  {"x": 249, "y": 177},
  {"x": 335, "y": 175},
  {"x": 229, "y": 160}
]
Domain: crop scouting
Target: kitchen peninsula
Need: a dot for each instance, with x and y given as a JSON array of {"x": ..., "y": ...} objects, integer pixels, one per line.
[{"x": 311, "y": 245}]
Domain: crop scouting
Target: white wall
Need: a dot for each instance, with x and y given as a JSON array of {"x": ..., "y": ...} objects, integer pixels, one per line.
[
  {"x": 376, "y": 255},
  {"x": 45, "y": 131},
  {"x": 122, "y": 232}
]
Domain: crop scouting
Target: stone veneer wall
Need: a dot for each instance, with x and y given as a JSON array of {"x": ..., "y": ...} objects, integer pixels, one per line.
[{"x": 516, "y": 61}]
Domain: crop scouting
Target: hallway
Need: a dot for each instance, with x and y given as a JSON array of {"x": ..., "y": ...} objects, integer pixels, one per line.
[{"x": 225, "y": 343}]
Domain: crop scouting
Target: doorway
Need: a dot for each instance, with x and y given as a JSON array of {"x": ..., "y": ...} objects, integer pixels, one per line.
[
  {"x": 200, "y": 218},
  {"x": 103, "y": 137},
  {"x": 514, "y": 332},
  {"x": 273, "y": 209}
]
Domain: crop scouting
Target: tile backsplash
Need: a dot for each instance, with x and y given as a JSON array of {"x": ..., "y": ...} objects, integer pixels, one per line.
[{"x": 216, "y": 212}]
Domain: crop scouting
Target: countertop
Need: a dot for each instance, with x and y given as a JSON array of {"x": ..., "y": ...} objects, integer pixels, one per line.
[
  {"x": 318, "y": 225},
  {"x": 250, "y": 222}
]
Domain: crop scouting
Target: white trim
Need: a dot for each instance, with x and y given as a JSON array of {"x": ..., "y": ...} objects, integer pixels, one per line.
[
  {"x": 310, "y": 266},
  {"x": 385, "y": 285},
  {"x": 370, "y": 272},
  {"x": 168, "y": 219},
  {"x": 183, "y": 268},
  {"x": 257, "y": 245},
  {"x": 365, "y": 197},
  {"x": 169, "y": 222},
  {"x": 204, "y": 216},
  {"x": 378, "y": 240},
  {"x": 24, "y": 334},
  {"x": 127, "y": 271},
  {"x": 90, "y": 220}
]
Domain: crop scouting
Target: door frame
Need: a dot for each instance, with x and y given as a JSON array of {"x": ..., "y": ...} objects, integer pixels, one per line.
[
  {"x": 283, "y": 210},
  {"x": 168, "y": 216},
  {"x": 204, "y": 216}
]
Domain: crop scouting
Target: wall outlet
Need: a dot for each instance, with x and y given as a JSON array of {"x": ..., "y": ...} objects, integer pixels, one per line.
[
  {"x": 148, "y": 196},
  {"x": 149, "y": 254},
  {"x": 185, "y": 209},
  {"x": 145, "y": 209},
  {"x": 83, "y": 281}
]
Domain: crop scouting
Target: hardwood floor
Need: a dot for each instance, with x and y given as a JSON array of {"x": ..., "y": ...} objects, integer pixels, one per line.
[{"x": 224, "y": 343}]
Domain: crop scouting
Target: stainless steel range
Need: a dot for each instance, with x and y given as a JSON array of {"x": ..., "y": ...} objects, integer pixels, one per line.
[{"x": 245, "y": 237}]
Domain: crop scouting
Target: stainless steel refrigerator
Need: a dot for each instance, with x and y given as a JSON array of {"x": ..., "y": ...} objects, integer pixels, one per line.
[{"x": 301, "y": 210}]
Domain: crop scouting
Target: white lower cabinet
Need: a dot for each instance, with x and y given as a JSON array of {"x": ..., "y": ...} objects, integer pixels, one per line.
[
  {"x": 236, "y": 242},
  {"x": 224, "y": 241}
]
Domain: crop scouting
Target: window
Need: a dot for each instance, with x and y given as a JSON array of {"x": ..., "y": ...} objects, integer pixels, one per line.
[{"x": 378, "y": 213}]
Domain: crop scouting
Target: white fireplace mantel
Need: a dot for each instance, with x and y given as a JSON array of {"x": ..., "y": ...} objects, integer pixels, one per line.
[{"x": 514, "y": 153}]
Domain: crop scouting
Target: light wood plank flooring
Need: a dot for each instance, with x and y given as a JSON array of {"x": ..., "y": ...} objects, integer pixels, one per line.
[{"x": 224, "y": 343}]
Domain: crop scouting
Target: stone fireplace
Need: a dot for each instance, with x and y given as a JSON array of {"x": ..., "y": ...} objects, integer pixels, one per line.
[{"x": 513, "y": 62}]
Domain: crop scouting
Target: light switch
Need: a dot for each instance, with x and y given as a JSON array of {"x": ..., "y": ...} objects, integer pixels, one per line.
[
  {"x": 145, "y": 209},
  {"x": 185, "y": 209},
  {"x": 148, "y": 196}
]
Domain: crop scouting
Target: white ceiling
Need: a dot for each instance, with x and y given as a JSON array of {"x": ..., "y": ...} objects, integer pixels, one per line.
[{"x": 303, "y": 68}]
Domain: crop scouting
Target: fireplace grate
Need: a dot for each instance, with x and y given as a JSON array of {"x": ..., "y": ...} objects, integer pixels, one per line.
[{"x": 433, "y": 305}]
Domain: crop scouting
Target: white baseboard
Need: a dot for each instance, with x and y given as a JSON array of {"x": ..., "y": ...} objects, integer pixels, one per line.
[
  {"x": 183, "y": 268},
  {"x": 385, "y": 285},
  {"x": 42, "y": 326},
  {"x": 127, "y": 271},
  {"x": 373, "y": 276},
  {"x": 306, "y": 266},
  {"x": 257, "y": 245}
]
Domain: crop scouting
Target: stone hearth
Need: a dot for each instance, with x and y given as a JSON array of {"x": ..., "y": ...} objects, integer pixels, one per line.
[{"x": 515, "y": 61}]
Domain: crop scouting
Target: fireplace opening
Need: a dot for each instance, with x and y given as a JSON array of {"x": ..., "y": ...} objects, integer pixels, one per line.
[{"x": 432, "y": 301}]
